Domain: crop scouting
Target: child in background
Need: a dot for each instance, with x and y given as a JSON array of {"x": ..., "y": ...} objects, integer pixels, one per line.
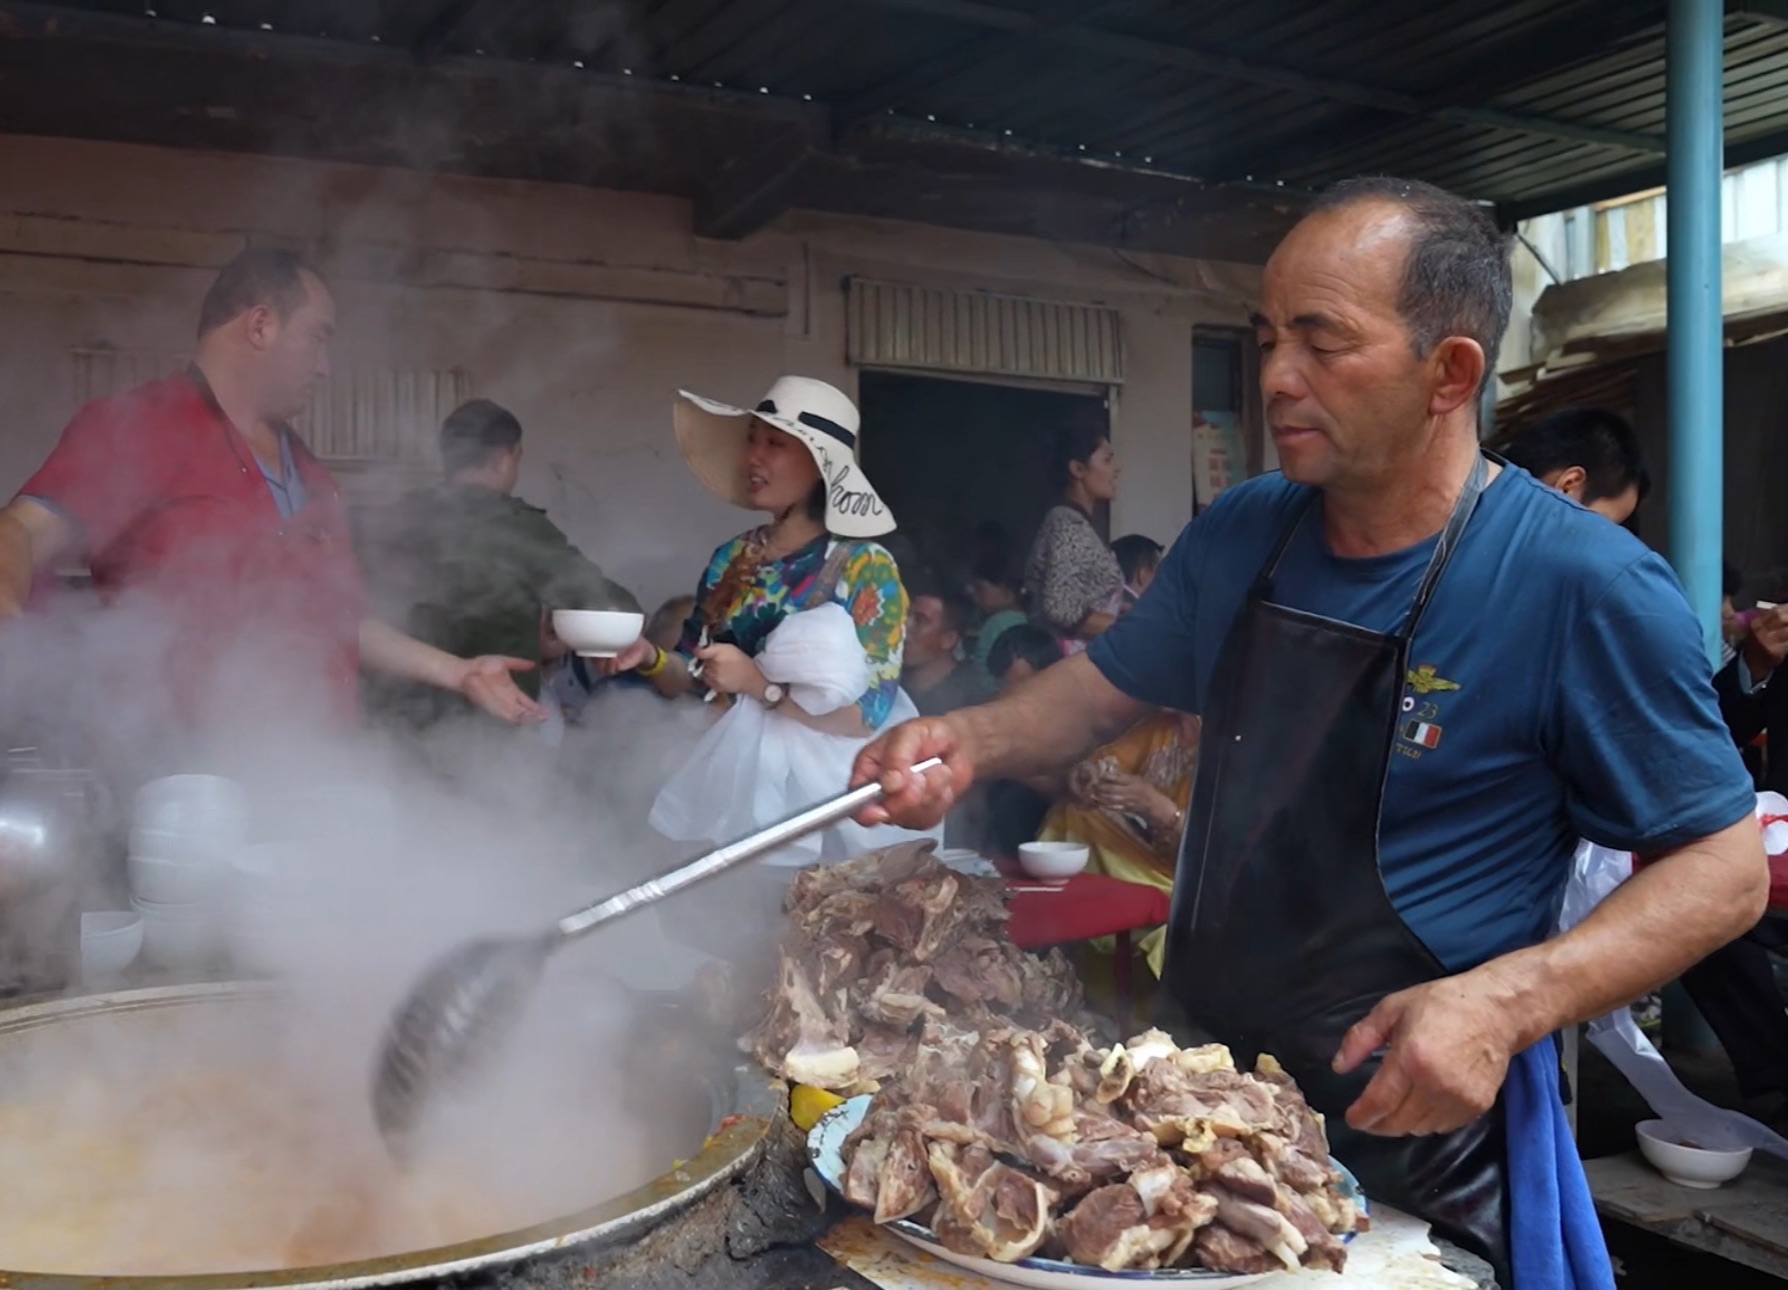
[
  {"x": 1140, "y": 558},
  {"x": 994, "y": 579}
]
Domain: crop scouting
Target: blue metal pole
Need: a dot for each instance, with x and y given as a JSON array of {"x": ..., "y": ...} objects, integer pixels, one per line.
[
  {"x": 1694, "y": 55},
  {"x": 1695, "y": 44}
]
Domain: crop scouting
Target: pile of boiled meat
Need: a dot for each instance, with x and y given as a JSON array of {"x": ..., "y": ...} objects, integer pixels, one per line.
[
  {"x": 1009, "y": 1142},
  {"x": 999, "y": 1124},
  {"x": 876, "y": 949}
]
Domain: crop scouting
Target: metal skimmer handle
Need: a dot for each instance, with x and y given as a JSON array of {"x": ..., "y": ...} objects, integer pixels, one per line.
[{"x": 796, "y": 826}]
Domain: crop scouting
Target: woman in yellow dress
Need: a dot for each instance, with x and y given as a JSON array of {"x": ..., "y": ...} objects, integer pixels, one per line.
[{"x": 1128, "y": 802}]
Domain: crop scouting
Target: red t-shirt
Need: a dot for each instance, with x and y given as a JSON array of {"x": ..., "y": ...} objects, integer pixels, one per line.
[{"x": 232, "y": 601}]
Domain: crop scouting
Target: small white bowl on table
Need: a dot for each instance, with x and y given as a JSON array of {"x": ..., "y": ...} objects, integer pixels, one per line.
[
  {"x": 181, "y": 936},
  {"x": 1053, "y": 861},
  {"x": 1686, "y": 1162},
  {"x": 597, "y": 633},
  {"x": 177, "y": 882},
  {"x": 206, "y": 808},
  {"x": 266, "y": 927},
  {"x": 110, "y": 942}
]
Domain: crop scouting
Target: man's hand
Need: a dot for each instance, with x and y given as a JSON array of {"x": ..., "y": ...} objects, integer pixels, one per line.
[
  {"x": 914, "y": 801},
  {"x": 488, "y": 684},
  {"x": 1767, "y": 645},
  {"x": 31, "y": 537},
  {"x": 1448, "y": 1046}
]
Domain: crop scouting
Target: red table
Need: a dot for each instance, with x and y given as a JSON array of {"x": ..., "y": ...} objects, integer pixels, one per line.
[{"x": 1083, "y": 908}]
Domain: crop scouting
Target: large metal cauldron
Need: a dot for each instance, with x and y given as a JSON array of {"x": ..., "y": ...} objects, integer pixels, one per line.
[{"x": 675, "y": 1220}]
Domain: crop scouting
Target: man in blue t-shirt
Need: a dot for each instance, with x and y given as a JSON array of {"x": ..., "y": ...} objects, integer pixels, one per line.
[{"x": 1422, "y": 678}]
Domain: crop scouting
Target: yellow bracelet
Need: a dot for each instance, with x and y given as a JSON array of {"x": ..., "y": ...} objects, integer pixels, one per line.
[{"x": 660, "y": 660}]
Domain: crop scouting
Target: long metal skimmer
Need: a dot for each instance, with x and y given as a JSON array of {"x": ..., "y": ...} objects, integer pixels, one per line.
[{"x": 466, "y": 1005}]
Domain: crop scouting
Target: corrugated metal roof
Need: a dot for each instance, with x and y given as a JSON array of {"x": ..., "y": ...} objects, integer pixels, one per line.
[{"x": 1528, "y": 103}]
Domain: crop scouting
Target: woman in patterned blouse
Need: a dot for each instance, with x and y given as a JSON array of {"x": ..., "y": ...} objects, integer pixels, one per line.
[
  {"x": 793, "y": 457},
  {"x": 1073, "y": 585}
]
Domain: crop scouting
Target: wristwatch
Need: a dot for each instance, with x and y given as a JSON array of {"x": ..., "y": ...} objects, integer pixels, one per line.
[{"x": 774, "y": 694}]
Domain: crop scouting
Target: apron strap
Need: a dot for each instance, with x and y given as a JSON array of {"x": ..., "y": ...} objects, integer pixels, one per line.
[
  {"x": 1449, "y": 540},
  {"x": 1437, "y": 563},
  {"x": 1263, "y": 581}
]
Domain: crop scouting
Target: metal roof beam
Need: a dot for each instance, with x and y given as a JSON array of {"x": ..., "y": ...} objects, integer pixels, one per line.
[
  {"x": 1211, "y": 62},
  {"x": 1621, "y": 183},
  {"x": 1765, "y": 13},
  {"x": 897, "y": 91},
  {"x": 755, "y": 188},
  {"x": 440, "y": 26}
]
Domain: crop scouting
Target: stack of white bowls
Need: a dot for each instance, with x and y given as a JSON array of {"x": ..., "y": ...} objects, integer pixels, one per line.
[
  {"x": 265, "y": 928},
  {"x": 185, "y": 832}
]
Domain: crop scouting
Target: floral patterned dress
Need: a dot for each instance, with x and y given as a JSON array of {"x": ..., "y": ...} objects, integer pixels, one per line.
[
  {"x": 1071, "y": 573},
  {"x": 759, "y": 594}
]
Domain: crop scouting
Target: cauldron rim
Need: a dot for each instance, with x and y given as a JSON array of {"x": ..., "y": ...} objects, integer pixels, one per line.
[{"x": 736, "y": 1142}]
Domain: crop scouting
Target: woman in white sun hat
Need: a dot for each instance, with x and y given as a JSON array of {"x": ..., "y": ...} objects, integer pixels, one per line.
[
  {"x": 799, "y": 624},
  {"x": 793, "y": 456}
]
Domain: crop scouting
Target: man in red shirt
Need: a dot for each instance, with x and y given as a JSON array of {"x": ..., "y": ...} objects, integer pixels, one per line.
[{"x": 220, "y": 538}]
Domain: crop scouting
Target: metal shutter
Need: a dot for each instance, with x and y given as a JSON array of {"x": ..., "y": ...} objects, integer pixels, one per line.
[{"x": 982, "y": 333}]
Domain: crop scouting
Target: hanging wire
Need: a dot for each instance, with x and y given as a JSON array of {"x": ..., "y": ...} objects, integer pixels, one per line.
[{"x": 1535, "y": 252}]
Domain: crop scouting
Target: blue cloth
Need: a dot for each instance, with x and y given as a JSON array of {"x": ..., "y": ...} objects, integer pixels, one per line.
[
  {"x": 1555, "y": 1239},
  {"x": 287, "y": 487},
  {"x": 1557, "y": 690}
]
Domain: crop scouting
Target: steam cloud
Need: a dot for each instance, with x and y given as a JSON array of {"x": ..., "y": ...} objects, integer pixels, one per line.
[{"x": 391, "y": 852}]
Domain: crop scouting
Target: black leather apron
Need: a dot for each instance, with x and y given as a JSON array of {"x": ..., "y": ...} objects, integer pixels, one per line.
[{"x": 1282, "y": 936}]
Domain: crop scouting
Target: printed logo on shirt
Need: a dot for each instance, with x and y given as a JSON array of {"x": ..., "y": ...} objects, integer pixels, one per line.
[
  {"x": 1422, "y": 732},
  {"x": 1427, "y": 679},
  {"x": 1419, "y": 731}
]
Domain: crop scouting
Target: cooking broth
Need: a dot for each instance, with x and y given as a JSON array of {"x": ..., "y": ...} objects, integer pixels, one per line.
[{"x": 209, "y": 1140}]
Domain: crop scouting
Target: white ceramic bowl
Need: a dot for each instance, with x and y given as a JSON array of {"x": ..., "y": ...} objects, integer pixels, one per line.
[
  {"x": 176, "y": 883},
  {"x": 597, "y": 633},
  {"x": 180, "y": 936},
  {"x": 263, "y": 866},
  {"x": 110, "y": 942},
  {"x": 185, "y": 848},
  {"x": 264, "y": 938},
  {"x": 1685, "y": 1162},
  {"x": 1053, "y": 859},
  {"x": 195, "y": 806}
]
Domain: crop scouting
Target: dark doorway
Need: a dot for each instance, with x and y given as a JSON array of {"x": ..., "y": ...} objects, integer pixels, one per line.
[{"x": 949, "y": 455}]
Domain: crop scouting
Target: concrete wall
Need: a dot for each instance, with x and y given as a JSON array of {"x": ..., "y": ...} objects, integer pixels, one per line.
[{"x": 583, "y": 310}]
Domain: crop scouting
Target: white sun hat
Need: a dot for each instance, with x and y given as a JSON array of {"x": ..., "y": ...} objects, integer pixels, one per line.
[{"x": 712, "y": 438}]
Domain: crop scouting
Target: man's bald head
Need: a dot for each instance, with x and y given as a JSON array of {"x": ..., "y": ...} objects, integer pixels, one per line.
[
  {"x": 1456, "y": 279},
  {"x": 1379, "y": 320}
]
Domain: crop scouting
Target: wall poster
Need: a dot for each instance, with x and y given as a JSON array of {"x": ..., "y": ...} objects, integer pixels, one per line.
[{"x": 1219, "y": 456}]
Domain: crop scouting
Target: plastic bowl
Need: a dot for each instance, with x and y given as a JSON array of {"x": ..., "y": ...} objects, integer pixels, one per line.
[
  {"x": 206, "y": 806},
  {"x": 110, "y": 942},
  {"x": 265, "y": 938},
  {"x": 597, "y": 633},
  {"x": 1684, "y": 1161},
  {"x": 264, "y": 866},
  {"x": 214, "y": 847},
  {"x": 1053, "y": 859},
  {"x": 180, "y": 936},
  {"x": 173, "y": 883}
]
